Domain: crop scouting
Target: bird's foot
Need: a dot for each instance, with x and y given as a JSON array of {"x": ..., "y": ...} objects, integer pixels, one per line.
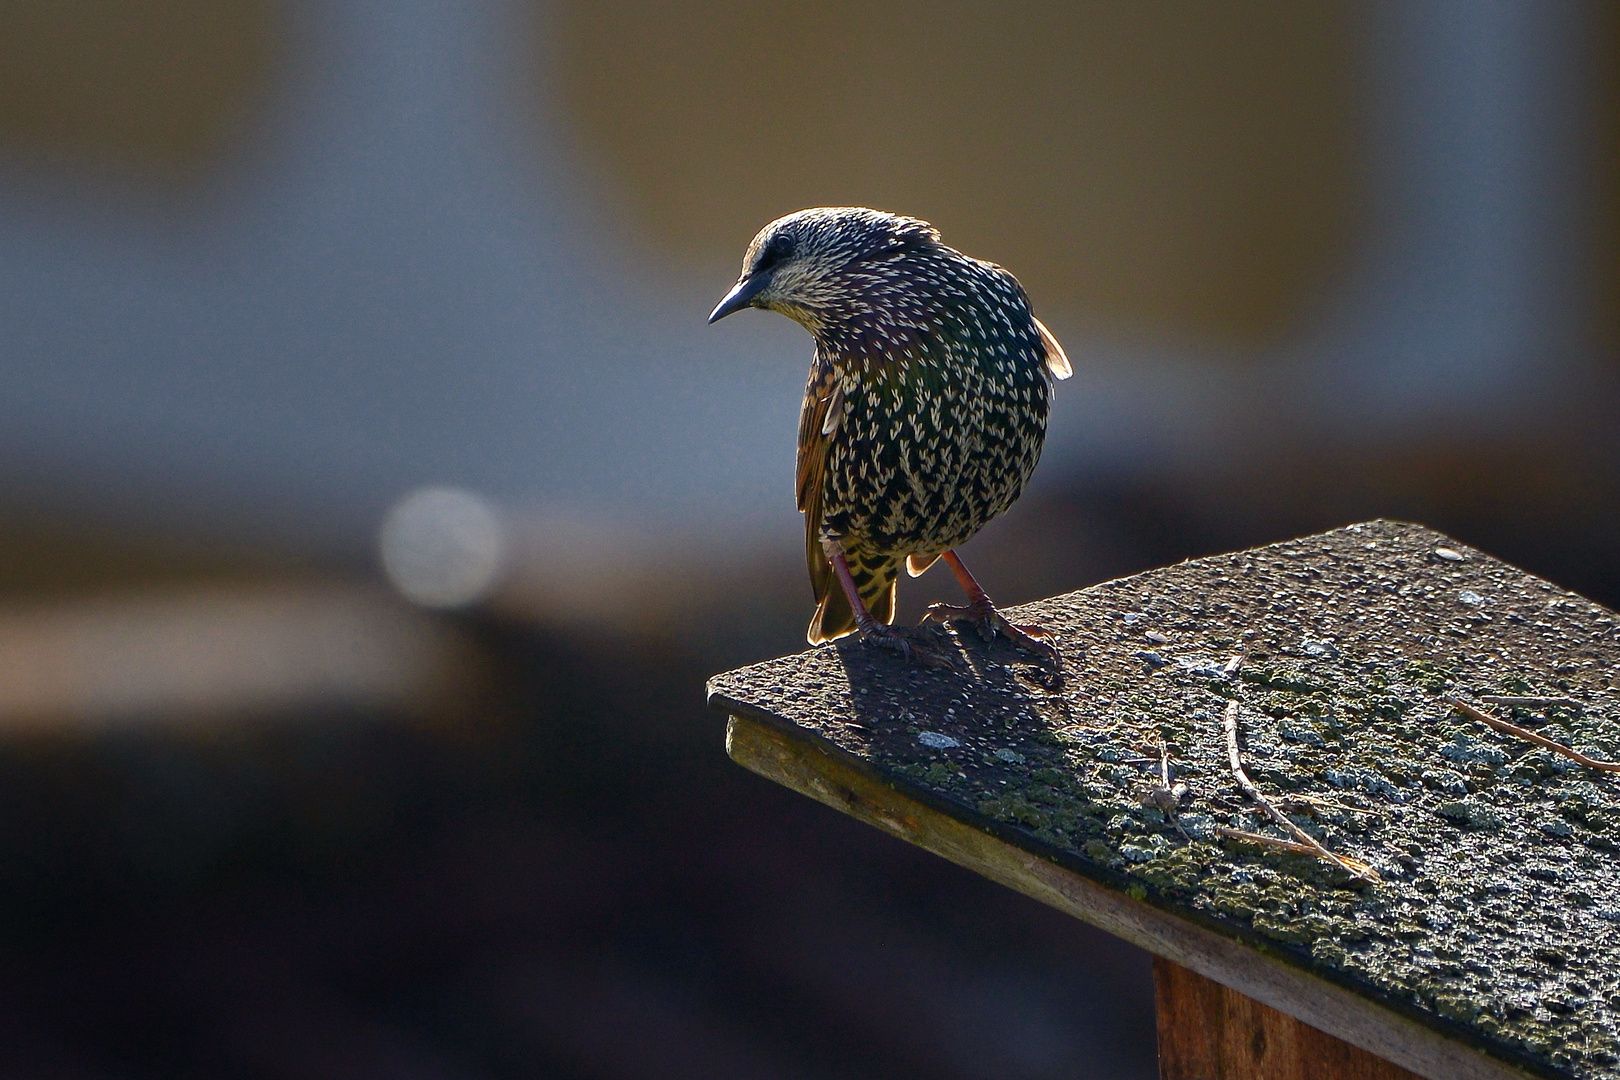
[
  {"x": 990, "y": 622},
  {"x": 887, "y": 638}
]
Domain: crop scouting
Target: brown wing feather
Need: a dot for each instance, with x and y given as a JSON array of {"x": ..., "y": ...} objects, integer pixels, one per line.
[
  {"x": 815, "y": 436},
  {"x": 1057, "y": 361}
]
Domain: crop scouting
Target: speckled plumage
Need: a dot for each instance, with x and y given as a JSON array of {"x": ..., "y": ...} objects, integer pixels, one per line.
[{"x": 928, "y": 395}]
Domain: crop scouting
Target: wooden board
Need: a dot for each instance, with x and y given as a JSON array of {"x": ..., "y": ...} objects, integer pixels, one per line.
[
  {"x": 1211, "y": 1032},
  {"x": 1492, "y": 944}
]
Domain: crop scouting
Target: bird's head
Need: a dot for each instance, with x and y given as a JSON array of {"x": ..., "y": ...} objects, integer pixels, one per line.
[{"x": 816, "y": 265}]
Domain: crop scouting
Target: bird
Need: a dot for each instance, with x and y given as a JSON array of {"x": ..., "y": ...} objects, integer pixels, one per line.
[{"x": 924, "y": 413}]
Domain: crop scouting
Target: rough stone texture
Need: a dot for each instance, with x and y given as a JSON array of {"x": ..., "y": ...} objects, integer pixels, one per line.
[{"x": 1498, "y": 921}]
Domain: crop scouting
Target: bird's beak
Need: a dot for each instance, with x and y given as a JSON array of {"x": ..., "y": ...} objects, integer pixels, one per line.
[{"x": 741, "y": 295}]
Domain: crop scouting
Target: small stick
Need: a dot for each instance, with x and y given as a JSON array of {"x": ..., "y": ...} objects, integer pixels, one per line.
[
  {"x": 1165, "y": 796},
  {"x": 1513, "y": 702},
  {"x": 1529, "y": 736},
  {"x": 1283, "y": 845},
  {"x": 1316, "y": 802},
  {"x": 1230, "y": 722},
  {"x": 1262, "y": 838}
]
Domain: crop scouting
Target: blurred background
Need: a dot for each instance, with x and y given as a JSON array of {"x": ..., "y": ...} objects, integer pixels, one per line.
[{"x": 374, "y": 499}]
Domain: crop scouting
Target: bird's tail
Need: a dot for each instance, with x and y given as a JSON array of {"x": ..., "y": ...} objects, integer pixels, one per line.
[{"x": 876, "y": 581}]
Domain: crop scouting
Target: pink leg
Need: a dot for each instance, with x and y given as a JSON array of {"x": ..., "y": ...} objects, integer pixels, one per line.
[
  {"x": 870, "y": 629},
  {"x": 980, "y": 611},
  {"x": 863, "y": 618},
  {"x": 970, "y": 585}
]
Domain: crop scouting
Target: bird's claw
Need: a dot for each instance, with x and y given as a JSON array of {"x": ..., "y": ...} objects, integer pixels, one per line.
[
  {"x": 989, "y": 622},
  {"x": 981, "y": 616},
  {"x": 911, "y": 652},
  {"x": 1031, "y": 639}
]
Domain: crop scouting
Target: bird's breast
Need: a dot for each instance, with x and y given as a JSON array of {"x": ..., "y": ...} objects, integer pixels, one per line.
[{"x": 927, "y": 453}]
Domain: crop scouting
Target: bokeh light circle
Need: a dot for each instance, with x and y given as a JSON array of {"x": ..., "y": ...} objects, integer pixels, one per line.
[{"x": 443, "y": 547}]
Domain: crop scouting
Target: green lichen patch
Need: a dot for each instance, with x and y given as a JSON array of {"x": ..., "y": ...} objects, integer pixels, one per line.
[{"x": 1499, "y": 909}]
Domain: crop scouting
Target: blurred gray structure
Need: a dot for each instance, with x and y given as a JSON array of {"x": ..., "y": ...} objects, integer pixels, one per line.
[
  {"x": 1471, "y": 290},
  {"x": 407, "y": 278}
]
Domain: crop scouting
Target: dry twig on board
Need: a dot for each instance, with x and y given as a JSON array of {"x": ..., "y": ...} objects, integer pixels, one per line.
[
  {"x": 1315, "y": 805},
  {"x": 1529, "y": 736},
  {"x": 1285, "y": 845},
  {"x": 1229, "y": 721},
  {"x": 1165, "y": 795}
]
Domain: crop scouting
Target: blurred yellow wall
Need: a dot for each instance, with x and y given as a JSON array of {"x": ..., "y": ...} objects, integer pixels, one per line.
[
  {"x": 1158, "y": 166},
  {"x": 1165, "y": 166},
  {"x": 158, "y": 85}
]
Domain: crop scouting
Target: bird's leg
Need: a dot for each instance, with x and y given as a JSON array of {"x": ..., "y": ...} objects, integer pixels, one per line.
[
  {"x": 982, "y": 613},
  {"x": 870, "y": 629}
]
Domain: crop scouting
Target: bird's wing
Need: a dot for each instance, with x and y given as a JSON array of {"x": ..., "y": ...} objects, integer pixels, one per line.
[
  {"x": 818, "y": 421},
  {"x": 1057, "y": 361}
]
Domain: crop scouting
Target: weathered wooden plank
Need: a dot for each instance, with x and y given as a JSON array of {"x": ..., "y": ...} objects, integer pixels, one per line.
[
  {"x": 1211, "y": 1032},
  {"x": 1492, "y": 941}
]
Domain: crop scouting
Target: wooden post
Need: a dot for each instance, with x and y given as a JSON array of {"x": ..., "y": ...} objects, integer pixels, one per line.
[
  {"x": 1363, "y": 864},
  {"x": 1211, "y": 1032}
]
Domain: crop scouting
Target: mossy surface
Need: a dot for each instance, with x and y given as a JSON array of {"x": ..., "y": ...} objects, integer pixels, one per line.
[{"x": 1498, "y": 919}]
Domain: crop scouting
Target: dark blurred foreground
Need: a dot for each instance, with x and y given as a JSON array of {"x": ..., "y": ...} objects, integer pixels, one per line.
[{"x": 563, "y": 876}]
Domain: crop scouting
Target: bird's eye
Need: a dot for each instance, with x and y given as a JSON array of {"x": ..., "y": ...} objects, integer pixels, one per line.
[{"x": 776, "y": 252}]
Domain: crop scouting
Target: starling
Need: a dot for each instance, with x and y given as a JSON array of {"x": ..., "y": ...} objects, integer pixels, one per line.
[{"x": 925, "y": 410}]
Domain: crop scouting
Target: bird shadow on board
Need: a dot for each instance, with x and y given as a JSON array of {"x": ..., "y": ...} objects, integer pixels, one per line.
[{"x": 969, "y": 733}]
